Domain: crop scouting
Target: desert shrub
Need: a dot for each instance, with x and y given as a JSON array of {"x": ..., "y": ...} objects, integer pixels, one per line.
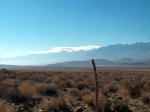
[
  {"x": 83, "y": 93},
  {"x": 48, "y": 80},
  {"x": 37, "y": 77},
  {"x": 74, "y": 92},
  {"x": 9, "y": 89},
  {"x": 71, "y": 100},
  {"x": 146, "y": 97},
  {"x": 120, "y": 108},
  {"x": 48, "y": 105},
  {"x": 47, "y": 89},
  {"x": 103, "y": 103},
  {"x": 134, "y": 87},
  {"x": 23, "y": 75},
  {"x": 10, "y": 93},
  {"x": 90, "y": 99},
  {"x": 4, "y": 71},
  {"x": 56, "y": 78},
  {"x": 10, "y": 82},
  {"x": 5, "y": 107},
  {"x": 106, "y": 88},
  {"x": 55, "y": 105},
  {"x": 27, "y": 89},
  {"x": 82, "y": 84},
  {"x": 146, "y": 86},
  {"x": 125, "y": 95},
  {"x": 68, "y": 84},
  {"x": 78, "y": 77},
  {"x": 61, "y": 85}
]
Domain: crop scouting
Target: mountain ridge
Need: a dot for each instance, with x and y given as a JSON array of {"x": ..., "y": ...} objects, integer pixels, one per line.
[{"x": 136, "y": 51}]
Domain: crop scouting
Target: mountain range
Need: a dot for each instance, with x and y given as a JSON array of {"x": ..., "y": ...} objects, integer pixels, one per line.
[{"x": 120, "y": 54}]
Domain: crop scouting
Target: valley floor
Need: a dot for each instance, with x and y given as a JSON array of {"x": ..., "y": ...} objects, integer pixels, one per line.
[{"x": 77, "y": 68}]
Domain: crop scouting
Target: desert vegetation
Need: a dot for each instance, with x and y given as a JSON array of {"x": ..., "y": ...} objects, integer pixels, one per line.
[{"x": 30, "y": 91}]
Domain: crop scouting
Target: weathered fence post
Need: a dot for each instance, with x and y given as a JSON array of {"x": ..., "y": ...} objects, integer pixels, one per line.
[{"x": 96, "y": 83}]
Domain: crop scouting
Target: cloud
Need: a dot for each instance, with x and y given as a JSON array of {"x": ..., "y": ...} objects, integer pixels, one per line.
[{"x": 67, "y": 49}]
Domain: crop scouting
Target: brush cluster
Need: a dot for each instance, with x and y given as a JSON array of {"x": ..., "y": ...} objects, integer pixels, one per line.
[{"x": 27, "y": 91}]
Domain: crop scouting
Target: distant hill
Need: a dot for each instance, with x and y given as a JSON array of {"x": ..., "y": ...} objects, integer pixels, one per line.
[
  {"x": 105, "y": 62},
  {"x": 83, "y": 63},
  {"x": 133, "y": 62}
]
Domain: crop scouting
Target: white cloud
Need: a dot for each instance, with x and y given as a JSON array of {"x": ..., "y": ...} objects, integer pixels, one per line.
[{"x": 67, "y": 49}]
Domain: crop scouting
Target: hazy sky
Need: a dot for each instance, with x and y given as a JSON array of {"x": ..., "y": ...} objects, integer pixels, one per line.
[{"x": 39, "y": 25}]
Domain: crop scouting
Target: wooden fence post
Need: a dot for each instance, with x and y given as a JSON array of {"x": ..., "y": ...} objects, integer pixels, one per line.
[{"x": 96, "y": 84}]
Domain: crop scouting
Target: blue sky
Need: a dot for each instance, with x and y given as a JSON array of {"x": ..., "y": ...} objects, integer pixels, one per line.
[{"x": 40, "y": 25}]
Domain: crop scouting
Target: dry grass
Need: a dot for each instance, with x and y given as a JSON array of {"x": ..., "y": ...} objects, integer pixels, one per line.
[
  {"x": 47, "y": 89},
  {"x": 5, "y": 107},
  {"x": 27, "y": 89},
  {"x": 58, "y": 104},
  {"x": 146, "y": 86},
  {"x": 146, "y": 97},
  {"x": 82, "y": 84},
  {"x": 125, "y": 95},
  {"x": 10, "y": 82},
  {"x": 91, "y": 98},
  {"x": 57, "y": 91},
  {"x": 106, "y": 88},
  {"x": 74, "y": 92}
]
